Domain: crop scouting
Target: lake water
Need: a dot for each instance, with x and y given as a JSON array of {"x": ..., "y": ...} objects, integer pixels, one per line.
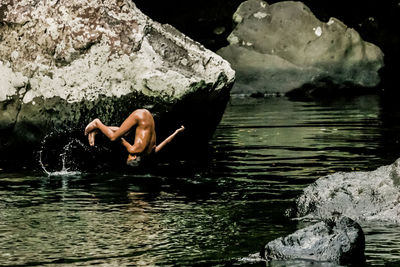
[{"x": 214, "y": 212}]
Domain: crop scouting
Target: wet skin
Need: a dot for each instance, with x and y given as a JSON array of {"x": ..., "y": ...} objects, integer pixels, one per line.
[{"x": 145, "y": 135}]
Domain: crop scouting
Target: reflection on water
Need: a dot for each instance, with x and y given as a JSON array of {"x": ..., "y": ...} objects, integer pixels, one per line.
[{"x": 263, "y": 154}]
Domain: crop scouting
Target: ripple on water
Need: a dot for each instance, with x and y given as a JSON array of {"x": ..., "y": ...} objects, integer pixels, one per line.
[{"x": 263, "y": 154}]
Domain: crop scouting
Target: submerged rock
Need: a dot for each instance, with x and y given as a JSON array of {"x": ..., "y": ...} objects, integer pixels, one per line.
[
  {"x": 362, "y": 196},
  {"x": 63, "y": 63},
  {"x": 281, "y": 47},
  {"x": 339, "y": 240}
]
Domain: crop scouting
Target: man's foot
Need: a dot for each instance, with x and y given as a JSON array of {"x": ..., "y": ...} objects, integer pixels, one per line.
[
  {"x": 91, "y": 126},
  {"x": 91, "y": 137}
]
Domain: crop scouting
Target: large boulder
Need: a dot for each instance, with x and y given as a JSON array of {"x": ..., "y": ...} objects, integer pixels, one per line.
[
  {"x": 362, "y": 196},
  {"x": 210, "y": 22},
  {"x": 282, "y": 47},
  {"x": 339, "y": 240},
  {"x": 65, "y": 62}
]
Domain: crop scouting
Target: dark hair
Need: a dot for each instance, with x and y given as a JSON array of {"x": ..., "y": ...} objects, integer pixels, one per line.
[{"x": 135, "y": 162}]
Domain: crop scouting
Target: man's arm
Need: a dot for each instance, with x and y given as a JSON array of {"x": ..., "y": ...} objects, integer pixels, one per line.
[
  {"x": 168, "y": 139},
  {"x": 132, "y": 149}
]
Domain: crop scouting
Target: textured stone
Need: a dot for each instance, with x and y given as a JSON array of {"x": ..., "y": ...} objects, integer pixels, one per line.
[
  {"x": 339, "y": 240},
  {"x": 362, "y": 196},
  {"x": 283, "y": 46},
  {"x": 65, "y": 62}
]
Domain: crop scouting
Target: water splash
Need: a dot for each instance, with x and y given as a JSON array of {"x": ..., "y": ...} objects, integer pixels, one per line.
[
  {"x": 251, "y": 259},
  {"x": 65, "y": 156}
]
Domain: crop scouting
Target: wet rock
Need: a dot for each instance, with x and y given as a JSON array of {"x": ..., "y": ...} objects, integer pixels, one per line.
[
  {"x": 63, "y": 63},
  {"x": 339, "y": 240},
  {"x": 362, "y": 196},
  {"x": 283, "y": 47}
]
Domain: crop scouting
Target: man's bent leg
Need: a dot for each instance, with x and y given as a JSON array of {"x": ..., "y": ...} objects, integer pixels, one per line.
[
  {"x": 125, "y": 127},
  {"x": 113, "y": 133},
  {"x": 92, "y": 134}
]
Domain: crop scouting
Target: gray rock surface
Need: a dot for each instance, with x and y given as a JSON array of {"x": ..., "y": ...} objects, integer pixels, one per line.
[
  {"x": 362, "y": 196},
  {"x": 65, "y": 62},
  {"x": 283, "y": 46},
  {"x": 339, "y": 240}
]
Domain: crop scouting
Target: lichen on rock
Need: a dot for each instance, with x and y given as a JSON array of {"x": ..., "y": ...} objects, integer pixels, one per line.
[
  {"x": 372, "y": 196},
  {"x": 65, "y": 62}
]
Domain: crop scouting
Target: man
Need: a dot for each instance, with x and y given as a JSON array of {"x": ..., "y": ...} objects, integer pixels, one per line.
[{"x": 145, "y": 134}]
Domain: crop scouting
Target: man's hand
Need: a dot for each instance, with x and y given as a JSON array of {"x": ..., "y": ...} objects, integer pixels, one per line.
[
  {"x": 125, "y": 143},
  {"x": 180, "y": 129},
  {"x": 131, "y": 149}
]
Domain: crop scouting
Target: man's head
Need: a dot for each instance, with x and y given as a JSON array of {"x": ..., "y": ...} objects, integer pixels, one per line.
[{"x": 133, "y": 160}]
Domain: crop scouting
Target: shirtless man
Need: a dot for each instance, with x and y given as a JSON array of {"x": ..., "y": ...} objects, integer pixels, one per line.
[{"x": 145, "y": 134}]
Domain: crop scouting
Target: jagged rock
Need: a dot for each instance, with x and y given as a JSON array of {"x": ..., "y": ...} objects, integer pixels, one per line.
[
  {"x": 282, "y": 47},
  {"x": 339, "y": 240},
  {"x": 65, "y": 62},
  {"x": 362, "y": 196}
]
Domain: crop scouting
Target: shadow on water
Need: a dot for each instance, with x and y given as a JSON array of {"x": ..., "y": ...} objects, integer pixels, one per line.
[{"x": 216, "y": 209}]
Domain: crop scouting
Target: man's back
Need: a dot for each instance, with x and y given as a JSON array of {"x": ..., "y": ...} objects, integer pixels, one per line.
[{"x": 145, "y": 134}]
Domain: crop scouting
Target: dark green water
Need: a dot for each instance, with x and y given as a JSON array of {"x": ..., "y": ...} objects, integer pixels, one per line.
[{"x": 216, "y": 212}]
